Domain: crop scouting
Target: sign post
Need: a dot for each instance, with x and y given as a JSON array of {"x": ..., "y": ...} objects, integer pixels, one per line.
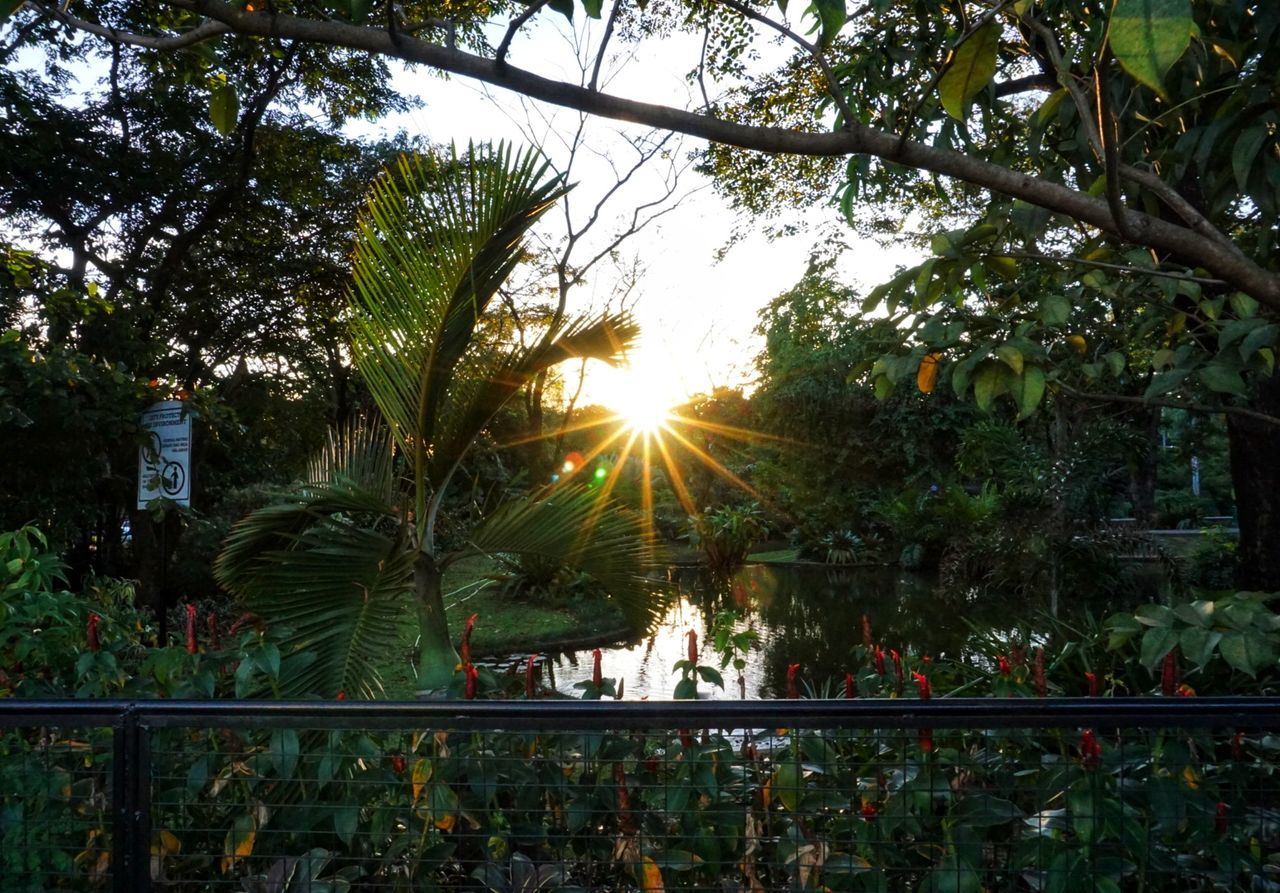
[{"x": 164, "y": 460}]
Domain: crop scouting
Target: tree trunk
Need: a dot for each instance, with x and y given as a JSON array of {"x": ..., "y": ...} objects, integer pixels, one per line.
[
  {"x": 1142, "y": 474},
  {"x": 437, "y": 660},
  {"x": 1255, "y": 477}
]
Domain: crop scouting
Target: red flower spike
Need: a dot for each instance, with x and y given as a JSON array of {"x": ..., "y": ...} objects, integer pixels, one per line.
[
  {"x": 1092, "y": 680},
  {"x": 1090, "y": 750},
  {"x": 868, "y": 811},
  {"x": 926, "y": 660},
  {"x": 397, "y": 764},
  {"x": 1169, "y": 673},
  {"x": 465, "y": 650},
  {"x": 530, "y": 677},
  {"x": 192, "y": 646},
  {"x": 473, "y": 677},
  {"x": 1005, "y": 667},
  {"x": 1018, "y": 655},
  {"x": 1037, "y": 674},
  {"x": 1237, "y": 747},
  {"x": 877, "y": 660},
  {"x": 215, "y": 642},
  {"x": 1220, "y": 819},
  {"x": 342, "y": 696},
  {"x": 693, "y": 646},
  {"x": 850, "y": 687},
  {"x": 866, "y": 631},
  {"x": 897, "y": 669},
  {"x": 686, "y": 740},
  {"x": 92, "y": 632},
  {"x": 597, "y": 677},
  {"x": 926, "y": 740},
  {"x": 793, "y": 689},
  {"x": 922, "y": 682}
]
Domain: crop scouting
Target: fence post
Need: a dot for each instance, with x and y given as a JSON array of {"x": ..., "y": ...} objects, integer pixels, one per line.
[{"x": 131, "y": 805}]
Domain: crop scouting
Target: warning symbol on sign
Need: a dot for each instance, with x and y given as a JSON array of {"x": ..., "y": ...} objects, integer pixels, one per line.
[{"x": 164, "y": 459}]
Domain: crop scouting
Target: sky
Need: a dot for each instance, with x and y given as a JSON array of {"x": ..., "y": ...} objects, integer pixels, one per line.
[{"x": 696, "y": 313}]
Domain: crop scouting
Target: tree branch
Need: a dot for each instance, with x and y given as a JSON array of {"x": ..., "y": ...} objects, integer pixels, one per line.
[
  {"x": 206, "y": 30},
  {"x": 856, "y": 138},
  {"x": 1122, "y": 268},
  {"x": 1170, "y": 404},
  {"x": 516, "y": 24}
]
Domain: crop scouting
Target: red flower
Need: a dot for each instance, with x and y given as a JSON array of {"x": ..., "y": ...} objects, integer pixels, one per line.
[
  {"x": 1169, "y": 673},
  {"x": 342, "y": 696},
  {"x": 397, "y": 764},
  {"x": 1092, "y": 680},
  {"x": 1018, "y": 655},
  {"x": 877, "y": 660},
  {"x": 1005, "y": 667},
  {"x": 793, "y": 689},
  {"x": 92, "y": 632},
  {"x": 530, "y": 677},
  {"x": 1090, "y": 750},
  {"x": 922, "y": 682},
  {"x": 926, "y": 660},
  {"x": 473, "y": 676},
  {"x": 597, "y": 678},
  {"x": 1237, "y": 746},
  {"x": 1037, "y": 674},
  {"x": 866, "y": 631},
  {"x": 1186, "y": 691},
  {"x": 685, "y": 738},
  {"x": 897, "y": 670},
  {"x": 850, "y": 687},
  {"x": 465, "y": 650},
  {"x": 1220, "y": 819},
  {"x": 192, "y": 647},
  {"x": 693, "y": 646},
  {"x": 214, "y": 641},
  {"x": 868, "y": 811},
  {"x": 244, "y": 618},
  {"x": 926, "y": 740}
]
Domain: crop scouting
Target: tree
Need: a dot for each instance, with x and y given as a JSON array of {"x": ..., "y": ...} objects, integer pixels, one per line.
[
  {"x": 336, "y": 563},
  {"x": 1161, "y": 127}
]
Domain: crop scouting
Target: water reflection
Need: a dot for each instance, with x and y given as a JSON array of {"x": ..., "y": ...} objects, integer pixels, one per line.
[{"x": 806, "y": 615}]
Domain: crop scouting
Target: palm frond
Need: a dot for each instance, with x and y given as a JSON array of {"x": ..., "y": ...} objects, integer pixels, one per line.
[
  {"x": 587, "y": 531},
  {"x": 493, "y": 377},
  {"x": 433, "y": 245},
  {"x": 322, "y": 568},
  {"x": 360, "y": 452}
]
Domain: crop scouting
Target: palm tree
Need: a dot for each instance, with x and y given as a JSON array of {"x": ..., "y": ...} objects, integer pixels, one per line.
[{"x": 339, "y": 561}]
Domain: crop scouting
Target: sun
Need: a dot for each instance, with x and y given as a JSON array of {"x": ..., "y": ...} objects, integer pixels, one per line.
[
  {"x": 641, "y": 396},
  {"x": 644, "y": 411}
]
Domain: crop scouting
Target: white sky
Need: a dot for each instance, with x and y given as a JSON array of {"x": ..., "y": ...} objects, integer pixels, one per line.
[{"x": 697, "y": 315}]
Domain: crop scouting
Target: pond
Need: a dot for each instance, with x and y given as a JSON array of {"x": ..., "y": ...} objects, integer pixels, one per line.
[{"x": 810, "y": 615}]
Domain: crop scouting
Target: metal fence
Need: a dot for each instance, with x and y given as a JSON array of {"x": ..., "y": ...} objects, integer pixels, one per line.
[{"x": 520, "y": 797}]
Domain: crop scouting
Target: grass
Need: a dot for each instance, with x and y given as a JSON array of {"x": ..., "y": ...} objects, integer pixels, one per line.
[{"x": 505, "y": 624}]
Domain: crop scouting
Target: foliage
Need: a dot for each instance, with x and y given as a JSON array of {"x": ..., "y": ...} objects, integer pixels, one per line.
[
  {"x": 727, "y": 534},
  {"x": 341, "y": 558}
]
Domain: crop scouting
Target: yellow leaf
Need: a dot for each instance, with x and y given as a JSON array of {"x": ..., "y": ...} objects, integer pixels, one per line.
[
  {"x": 446, "y": 822},
  {"x": 1191, "y": 778},
  {"x": 652, "y": 881},
  {"x": 169, "y": 843},
  {"x": 927, "y": 375},
  {"x": 1078, "y": 342},
  {"x": 421, "y": 774}
]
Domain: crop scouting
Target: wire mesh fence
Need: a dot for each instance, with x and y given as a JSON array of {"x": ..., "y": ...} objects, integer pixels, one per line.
[{"x": 519, "y": 797}]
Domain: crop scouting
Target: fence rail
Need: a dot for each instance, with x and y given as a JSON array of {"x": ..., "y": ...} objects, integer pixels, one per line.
[{"x": 522, "y": 797}]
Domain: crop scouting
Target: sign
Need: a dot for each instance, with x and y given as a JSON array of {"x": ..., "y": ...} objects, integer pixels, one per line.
[{"x": 164, "y": 459}]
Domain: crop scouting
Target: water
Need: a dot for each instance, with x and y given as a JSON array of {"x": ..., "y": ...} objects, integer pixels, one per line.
[{"x": 806, "y": 615}]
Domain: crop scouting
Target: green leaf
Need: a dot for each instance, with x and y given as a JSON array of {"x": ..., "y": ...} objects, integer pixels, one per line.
[
  {"x": 1011, "y": 357},
  {"x": 1248, "y": 652},
  {"x": 360, "y": 11},
  {"x": 284, "y": 751},
  {"x": 224, "y": 106},
  {"x": 346, "y": 818},
  {"x": 1122, "y": 628},
  {"x": 564, "y": 7},
  {"x": 1029, "y": 391},
  {"x": 1164, "y": 382},
  {"x": 1055, "y": 310},
  {"x": 1263, "y": 336},
  {"x": 1148, "y": 36},
  {"x": 711, "y": 676},
  {"x": 1156, "y": 643},
  {"x": 963, "y": 372},
  {"x": 1223, "y": 380},
  {"x": 1115, "y": 362},
  {"x": 1155, "y": 615},
  {"x": 1198, "y": 644},
  {"x": 985, "y": 811},
  {"x": 8, "y": 8},
  {"x": 832, "y": 15},
  {"x": 971, "y": 69},
  {"x": 988, "y": 384},
  {"x": 1245, "y": 150},
  {"x": 1196, "y": 613},
  {"x": 787, "y": 782},
  {"x": 592, "y": 7}
]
